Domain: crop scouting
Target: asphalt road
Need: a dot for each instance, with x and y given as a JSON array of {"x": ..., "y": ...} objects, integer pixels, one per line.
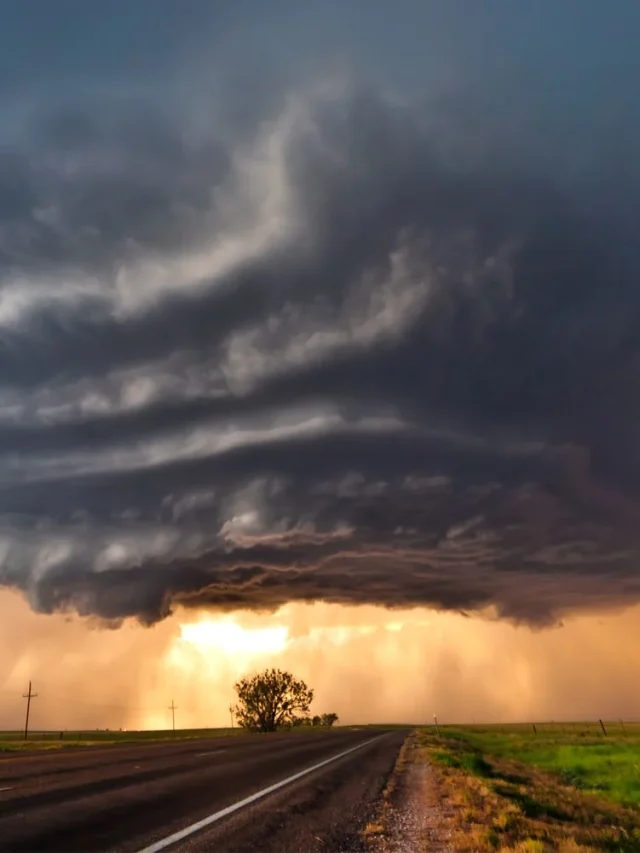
[{"x": 133, "y": 798}]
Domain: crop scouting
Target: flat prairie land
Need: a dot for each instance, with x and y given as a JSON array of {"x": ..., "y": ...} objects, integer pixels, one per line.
[
  {"x": 558, "y": 787},
  {"x": 13, "y": 741}
]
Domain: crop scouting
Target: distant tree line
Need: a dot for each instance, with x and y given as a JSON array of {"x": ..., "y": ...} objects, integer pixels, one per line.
[{"x": 326, "y": 720}]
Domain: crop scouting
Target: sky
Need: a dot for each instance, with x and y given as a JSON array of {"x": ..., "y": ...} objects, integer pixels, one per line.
[{"x": 319, "y": 316}]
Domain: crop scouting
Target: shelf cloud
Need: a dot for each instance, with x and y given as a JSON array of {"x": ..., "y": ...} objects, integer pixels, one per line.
[{"x": 361, "y": 347}]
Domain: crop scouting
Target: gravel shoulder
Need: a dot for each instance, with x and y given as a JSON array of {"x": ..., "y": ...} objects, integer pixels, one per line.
[{"x": 411, "y": 815}]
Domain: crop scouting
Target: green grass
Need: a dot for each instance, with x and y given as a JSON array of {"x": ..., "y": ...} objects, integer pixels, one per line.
[
  {"x": 564, "y": 788},
  {"x": 586, "y": 759}
]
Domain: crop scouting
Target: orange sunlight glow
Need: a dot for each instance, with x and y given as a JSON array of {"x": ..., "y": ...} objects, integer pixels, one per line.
[
  {"x": 365, "y": 663},
  {"x": 227, "y": 636}
]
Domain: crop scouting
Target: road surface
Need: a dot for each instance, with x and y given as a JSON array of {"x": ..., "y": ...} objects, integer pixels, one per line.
[{"x": 132, "y": 798}]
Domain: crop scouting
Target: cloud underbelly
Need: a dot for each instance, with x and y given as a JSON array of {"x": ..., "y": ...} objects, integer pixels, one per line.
[{"x": 321, "y": 360}]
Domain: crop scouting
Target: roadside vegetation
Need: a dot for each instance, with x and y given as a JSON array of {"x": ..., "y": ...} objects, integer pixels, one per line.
[{"x": 568, "y": 787}]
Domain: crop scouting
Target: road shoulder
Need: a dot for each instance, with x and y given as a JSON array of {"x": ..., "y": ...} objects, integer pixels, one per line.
[{"x": 411, "y": 816}]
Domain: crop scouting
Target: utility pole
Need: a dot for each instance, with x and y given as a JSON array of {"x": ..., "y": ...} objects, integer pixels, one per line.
[
  {"x": 28, "y": 696},
  {"x": 173, "y": 710},
  {"x": 435, "y": 719},
  {"x": 231, "y": 713}
]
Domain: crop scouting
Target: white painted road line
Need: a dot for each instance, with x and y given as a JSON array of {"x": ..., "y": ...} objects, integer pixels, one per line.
[
  {"x": 211, "y": 752},
  {"x": 216, "y": 816},
  {"x": 7, "y": 789}
]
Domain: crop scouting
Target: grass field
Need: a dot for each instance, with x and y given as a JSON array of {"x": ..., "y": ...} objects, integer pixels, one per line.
[
  {"x": 561, "y": 787},
  {"x": 587, "y": 759},
  {"x": 14, "y": 741}
]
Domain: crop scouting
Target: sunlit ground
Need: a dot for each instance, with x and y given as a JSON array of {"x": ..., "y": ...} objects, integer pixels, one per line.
[{"x": 365, "y": 663}]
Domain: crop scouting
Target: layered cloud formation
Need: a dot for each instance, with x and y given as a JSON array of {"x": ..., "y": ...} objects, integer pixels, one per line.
[{"x": 355, "y": 347}]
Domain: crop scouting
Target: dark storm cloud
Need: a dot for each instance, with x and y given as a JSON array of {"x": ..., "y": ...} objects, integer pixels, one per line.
[{"x": 352, "y": 353}]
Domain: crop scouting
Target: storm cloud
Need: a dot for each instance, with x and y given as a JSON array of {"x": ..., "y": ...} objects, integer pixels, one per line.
[{"x": 360, "y": 347}]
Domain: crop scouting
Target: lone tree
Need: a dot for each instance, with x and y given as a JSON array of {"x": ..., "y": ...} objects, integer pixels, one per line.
[{"x": 270, "y": 699}]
